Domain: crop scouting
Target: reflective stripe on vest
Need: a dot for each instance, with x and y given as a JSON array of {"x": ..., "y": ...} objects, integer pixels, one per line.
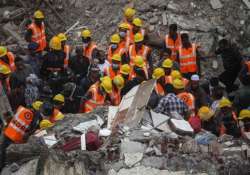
[
  {"x": 67, "y": 52},
  {"x": 87, "y": 52},
  {"x": 38, "y": 35},
  {"x": 120, "y": 50},
  {"x": 19, "y": 124},
  {"x": 142, "y": 52},
  {"x": 188, "y": 59},
  {"x": 11, "y": 59}
]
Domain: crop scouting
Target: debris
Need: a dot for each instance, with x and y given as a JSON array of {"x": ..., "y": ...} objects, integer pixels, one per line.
[
  {"x": 83, "y": 127},
  {"x": 247, "y": 3},
  {"x": 160, "y": 121},
  {"x": 72, "y": 27},
  {"x": 132, "y": 158},
  {"x": 50, "y": 140},
  {"x": 83, "y": 142},
  {"x": 164, "y": 19},
  {"x": 181, "y": 126},
  {"x": 216, "y": 4},
  {"x": 132, "y": 147}
]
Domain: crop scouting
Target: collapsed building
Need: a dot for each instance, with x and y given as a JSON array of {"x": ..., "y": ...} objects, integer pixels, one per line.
[{"x": 136, "y": 140}]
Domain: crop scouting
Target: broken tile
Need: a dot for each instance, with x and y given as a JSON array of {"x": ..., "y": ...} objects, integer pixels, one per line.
[
  {"x": 216, "y": 4},
  {"x": 132, "y": 158}
]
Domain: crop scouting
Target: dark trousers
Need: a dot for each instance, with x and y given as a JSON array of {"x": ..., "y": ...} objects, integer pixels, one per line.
[
  {"x": 228, "y": 78},
  {"x": 3, "y": 147}
]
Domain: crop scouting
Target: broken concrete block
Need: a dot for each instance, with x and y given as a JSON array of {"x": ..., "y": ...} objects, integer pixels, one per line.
[
  {"x": 190, "y": 146},
  {"x": 164, "y": 19},
  {"x": 247, "y": 3},
  {"x": 216, "y": 4},
  {"x": 132, "y": 147},
  {"x": 232, "y": 151},
  {"x": 132, "y": 158},
  {"x": 154, "y": 162},
  {"x": 181, "y": 127},
  {"x": 160, "y": 121}
]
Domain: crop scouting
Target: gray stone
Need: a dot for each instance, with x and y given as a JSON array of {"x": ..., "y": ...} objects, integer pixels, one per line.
[
  {"x": 28, "y": 168},
  {"x": 118, "y": 165},
  {"x": 154, "y": 162},
  {"x": 216, "y": 4},
  {"x": 247, "y": 3},
  {"x": 132, "y": 147},
  {"x": 164, "y": 19},
  {"x": 153, "y": 20},
  {"x": 132, "y": 158}
]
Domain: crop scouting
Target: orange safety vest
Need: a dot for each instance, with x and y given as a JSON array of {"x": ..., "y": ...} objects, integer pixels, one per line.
[
  {"x": 115, "y": 97},
  {"x": 126, "y": 42},
  {"x": 96, "y": 100},
  {"x": 248, "y": 66},
  {"x": 188, "y": 98},
  {"x": 223, "y": 128},
  {"x": 87, "y": 51},
  {"x": 173, "y": 45},
  {"x": 144, "y": 51},
  {"x": 132, "y": 41},
  {"x": 67, "y": 53},
  {"x": 11, "y": 59},
  {"x": 38, "y": 36},
  {"x": 120, "y": 50},
  {"x": 53, "y": 117},
  {"x": 19, "y": 124},
  {"x": 169, "y": 79},
  {"x": 108, "y": 71},
  {"x": 187, "y": 59},
  {"x": 159, "y": 89},
  {"x": 133, "y": 74}
]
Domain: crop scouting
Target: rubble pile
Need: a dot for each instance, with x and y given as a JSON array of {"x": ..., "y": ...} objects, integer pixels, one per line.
[{"x": 152, "y": 145}]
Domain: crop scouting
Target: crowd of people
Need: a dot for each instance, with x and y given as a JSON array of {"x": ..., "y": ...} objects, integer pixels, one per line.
[{"x": 56, "y": 78}]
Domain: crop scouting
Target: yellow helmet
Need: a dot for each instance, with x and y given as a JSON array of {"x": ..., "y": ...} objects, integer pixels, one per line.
[
  {"x": 115, "y": 39},
  {"x": 62, "y": 37},
  {"x": 3, "y": 51},
  {"x": 138, "y": 37},
  {"x": 4, "y": 69},
  {"x": 175, "y": 74},
  {"x": 118, "y": 81},
  {"x": 125, "y": 69},
  {"x": 38, "y": 14},
  {"x": 245, "y": 113},
  {"x": 45, "y": 124},
  {"x": 117, "y": 57},
  {"x": 129, "y": 12},
  {"x": 86, "y": 33},
  {"x": 205, "y": 113},
  {"x": 137, "y": 22},
  {"x": 139, "y": 62},
  {"x": 37, "y": 104},
  {"x": 124, "y": 25},
  {"x": 59, "y": 98},
  {"x": 178, "y": 84},
  {"x": 225, "y": 102},
  {"x": 55, "y": 43},
  {"x": 158, "y": 73},
  {"x": 167, "y": 63},
  {"x": 106, "y": 83}
]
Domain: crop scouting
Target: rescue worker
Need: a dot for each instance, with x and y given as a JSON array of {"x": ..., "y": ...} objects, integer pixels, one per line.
[
  {"x": 96, "y": 95},
  {"x": 187, "y": 57},
  {"x": 173, "y": 41},
  {"x": 50, "y": 113},
  {"x": 244, "y": 121},
  {"x": 7, "y": 58},
  {"x": 89, "y": 47},
  {"x": 244, "y": 74},
  {"x": 125, "y": 72},
  {"x": 167, "y": 65},
  {"x": 138, "y": 74},
  {"x": 54, "y": 59},
  {"x": 36, "y": 32},
  {"x": 231, "y": 59},
  {"x": 186, "y": 97},
  {"x": 139, "y": 68},
  {"x": 159, "y": 75},
  {"x": 201, "y": 98},
  {"x": 114, "y": 68},
  {"x": 4, "y": 79},
  {"x": 58, "y": 101},
  {"x": 139, "y": 48},
  {"x": 227, "y": 119},
  {"x": 124, "y": 34},
  {"x": 66, "y": 48},
  {"x": 129, "y": 14},
  {"x": 175, "y": 74},
  {"x": 116, "y": 47},
  {"x": 118, "y": 84},
  {"x": 137, "y": 28},
  {"x": 22, "y": 125},
  {"x": 37, "y": 105}
]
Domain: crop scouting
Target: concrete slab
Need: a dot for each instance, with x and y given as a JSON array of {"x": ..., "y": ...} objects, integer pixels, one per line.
[
  {"x": 216, "y": 4},
  {"x": 247, "y": 3},
  {"x": 132, "y": 158}
]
